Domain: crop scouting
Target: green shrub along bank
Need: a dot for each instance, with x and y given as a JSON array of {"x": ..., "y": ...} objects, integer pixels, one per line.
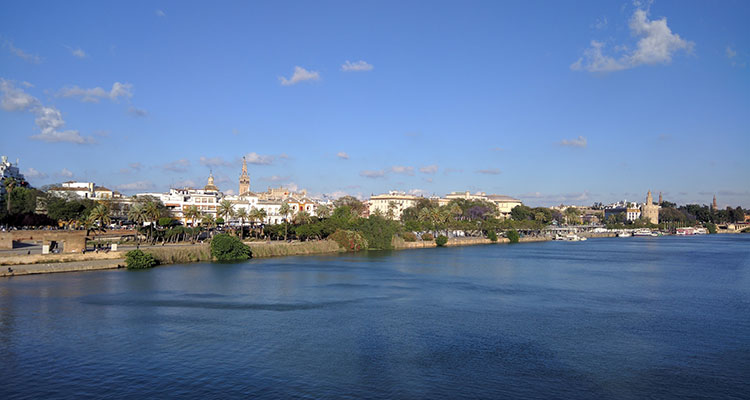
[
  {"x": 136, "y": 259},
  {"x": 349, "y": 240},
  {"x": 225, "y": 247},
  {"x": 513, "y": 236},
  {"x": 441, "y": 240},
  {"x": 409, "y": 236},
  {"x": 428, "y": 237},
  {"x": 492, "y": 235}
]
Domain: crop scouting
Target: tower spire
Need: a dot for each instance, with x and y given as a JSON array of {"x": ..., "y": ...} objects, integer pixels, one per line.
[
  {"x": 714, "y": 204},
  {"x": 660, "y": 200},
  {"x": 244, "y": 178}
]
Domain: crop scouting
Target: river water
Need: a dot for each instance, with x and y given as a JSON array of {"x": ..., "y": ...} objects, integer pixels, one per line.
[{"x": 625, "y": 318}]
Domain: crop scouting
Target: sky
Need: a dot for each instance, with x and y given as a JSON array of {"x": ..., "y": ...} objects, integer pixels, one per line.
[{"x": 550, "y": 102}]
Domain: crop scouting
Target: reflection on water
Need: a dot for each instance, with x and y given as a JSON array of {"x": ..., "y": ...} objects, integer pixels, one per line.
[{"x": 609, "y": 318}]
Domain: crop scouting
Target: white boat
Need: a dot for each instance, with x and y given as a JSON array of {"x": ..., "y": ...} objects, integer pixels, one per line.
[
  {"x": 644, "y": 232},
  {"x": 571, "y": 237},
  {"x": 624, "y": 234}
]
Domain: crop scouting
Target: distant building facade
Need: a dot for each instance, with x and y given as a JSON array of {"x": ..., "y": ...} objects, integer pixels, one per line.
[
  {"x": 649, "y": 210},
  {"x": 392, "y": 204}
]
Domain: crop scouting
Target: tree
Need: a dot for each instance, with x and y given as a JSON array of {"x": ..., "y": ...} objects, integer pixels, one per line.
[
  {"x": 572, "y": 214},
  {"x": 151, "y": 209},
  {"x": 356, "y": 206},
  {"x": 9, "y": 183},
  {"x": 520, "y": 213},
  {"x": 225, "y": 209},
  {"x": 138, "y": 215},
  {"x": 192, "y": 214},
  {"x": 302, "y": 217},
  {"x": 284, "y": 211},
  {"x": 242, "y": 215},
  {"x": 100, "y": 214},
  {"x": 323, "y": 211}
]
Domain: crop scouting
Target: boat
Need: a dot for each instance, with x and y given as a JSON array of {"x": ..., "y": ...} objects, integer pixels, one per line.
[
  {"x": 624, "y": 234},
  {"x": 571, "y": 237},
  {"x": 644, "y": 232}
]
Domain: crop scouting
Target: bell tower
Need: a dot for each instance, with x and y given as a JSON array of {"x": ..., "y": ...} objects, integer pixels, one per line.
[{"x": 244, "y": 178}]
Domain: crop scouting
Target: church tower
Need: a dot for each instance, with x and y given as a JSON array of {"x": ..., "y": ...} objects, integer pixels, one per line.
[
  {"x": 244, "y": 178},
  {"x": 714, "y": 204},
  {"x": 660, "y": 200},
  {"x": 649, "y": 210}
]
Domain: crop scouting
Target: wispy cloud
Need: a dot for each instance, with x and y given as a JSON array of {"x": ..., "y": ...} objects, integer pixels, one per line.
[
  {"x": 93, "y": 95},
  {"x": 300, "y": 75},
  {"x": 342, "y": 155},
  {"x": 400, "y": 169},
  {"x": 275, "y": 178},
  {"x": 50, "y": 120},
  {"x": 600, "y": 23},
  {"x": 429, "y": 169},
  {"x": 160, "y": 13},
  {"x": 32, "y": 58},
  {"x": 77, "y": 52},
  {"x": 580, "y": 141},
  {"x": 731, "y": 53},
  {"x": 657, "y": 45},
  {"x": 137, "y": 185},
  {"x": 32, "y": 173},
  {"x": 578, "y": 198},
  {"x": 489, "y": 171},
  {"x": 372, "y": 174},
  {"x": 180, "y": 165},
  {"x": 215, "y": 162},
  {"x": 258, "y": 159},
  {"x": 358, "y": 66},
  {"x": 65, "y": 173},
  {"x": 137, "y": 112},
  {"x": 14, "y": 99}
]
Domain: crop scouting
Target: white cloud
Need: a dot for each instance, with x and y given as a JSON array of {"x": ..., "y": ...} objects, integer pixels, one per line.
[
  {"x": 657, "y": 45},
  {"x": 731, "y": 53},
  {"x": 489, "y": 171},
  {"x": 342, "y": 155},
  {"x": 180, "y": 165},
  {"x": 137, "y": 112},
  {"x": 360, "y": 65},
  {"x": 372, "y": 174},
  {"x": 600, "y": 23},
  {"x": 418, "y": 192},
  {"x": 274, "y": 178},
  {"x": 137, "y": 185},
  {"x": 78, "y": 52},
  {"x": 430, "y": 169},
  {"x": 400, "y": 169},
  {"x": 300, "y": 75},
  {"x": 65, "y": 173},
  {"x": 230, "y": 192},
  {"x": 32, "y": 173},
  {"x": 93, "y": 95},
  {"x": 160, "y": 13},
  {"x": 580, "y": 141},
  {"x": 32, "y": 58},
  {"x": 48, "y": 119},
  {"x": 257, "y": 159},
  {"x": 15, "y": 99},
  {"x": 214, "y": 162},
  {"x": 185, "y": 183}
]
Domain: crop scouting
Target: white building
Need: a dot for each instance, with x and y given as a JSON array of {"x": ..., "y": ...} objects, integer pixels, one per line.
[
  {"x": 8, "y": 170},
  {"x": 85, "y": 190},
  {"x": 392, "y": 204},
  {"x": 178, "y": 201}
]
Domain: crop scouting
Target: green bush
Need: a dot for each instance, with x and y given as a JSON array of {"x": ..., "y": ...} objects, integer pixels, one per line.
[
  {"x": 225, "y": 247},
  {"x": 492, "y": 235},
  {"x": 349, "y": 240},
  {"x": 166, "y": 221},
  {"x": 513, "y": 236},
  {"x": 441, "y": 240},
  {"x": 427, "y": 236},
  {"x": 409, "y": 236},
  {"x": 711, "y": 227},
  {"x": 136, "y": 259}
]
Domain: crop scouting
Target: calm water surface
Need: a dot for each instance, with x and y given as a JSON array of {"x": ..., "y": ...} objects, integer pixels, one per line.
[{"x": 609, "y": 318}]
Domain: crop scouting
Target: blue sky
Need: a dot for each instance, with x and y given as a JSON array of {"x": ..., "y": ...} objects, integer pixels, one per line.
[{"x": 551, "y": 102}]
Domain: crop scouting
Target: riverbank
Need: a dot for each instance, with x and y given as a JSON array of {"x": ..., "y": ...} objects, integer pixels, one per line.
[{"x": 188, "y": 253}]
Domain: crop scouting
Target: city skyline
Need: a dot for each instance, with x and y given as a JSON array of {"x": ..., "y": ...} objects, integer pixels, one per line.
[{"x": 549, "y": 103}]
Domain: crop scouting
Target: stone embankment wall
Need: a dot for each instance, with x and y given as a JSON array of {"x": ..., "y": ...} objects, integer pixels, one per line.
[{"x": 59, "y": 258}]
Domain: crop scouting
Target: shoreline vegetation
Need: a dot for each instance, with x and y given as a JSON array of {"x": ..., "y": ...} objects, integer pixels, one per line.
[{"x": 192, "y": 253}]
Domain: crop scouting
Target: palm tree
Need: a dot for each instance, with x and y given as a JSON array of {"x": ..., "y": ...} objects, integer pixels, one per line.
[
  {"x": 209, "y": 221},
  {"x": 284, "y": 211},
  {"x": 191, "y": 213},
  {"x": 242, "y": 215},
  {"x": 137, "y": 213},
  {"x": 302, "y": 217},
  {"x": 323, "y": 211},
  {"x": 9, "y": 183},
  {"x": 225, "y": 210},
  {"x": 391, "y": 214},
  {"x": 101, "y": 213},
  {"x": 151, "y": 208}
]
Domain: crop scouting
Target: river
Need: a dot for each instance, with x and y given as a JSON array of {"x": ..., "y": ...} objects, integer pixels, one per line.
[{"x": 624, "y": 318}]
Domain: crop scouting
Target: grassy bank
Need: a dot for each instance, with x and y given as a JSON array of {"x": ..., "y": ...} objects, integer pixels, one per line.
[
  {"x": 269, "y": 249},
  {"x": 181, "y": 254}
]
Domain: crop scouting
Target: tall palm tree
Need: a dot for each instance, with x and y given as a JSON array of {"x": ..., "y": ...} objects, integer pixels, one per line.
[
  {"x": 100, "y": 214},
  {"x": 9, "y": 183},
  {"x": 137, "y": 213},
  {"x": 261, "y": 216},
  {"x": 242, "y": 215},
  {"x": 302, "y": 217},
  {"x": 191, "y": 213},
  {"x": 209, "y": 221},
  {"x": 323, "y": 211},
  {"x": 284, "y": 211},
  {"x": 225, "y": 210},
  {"x": 151, "y": 208}
]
